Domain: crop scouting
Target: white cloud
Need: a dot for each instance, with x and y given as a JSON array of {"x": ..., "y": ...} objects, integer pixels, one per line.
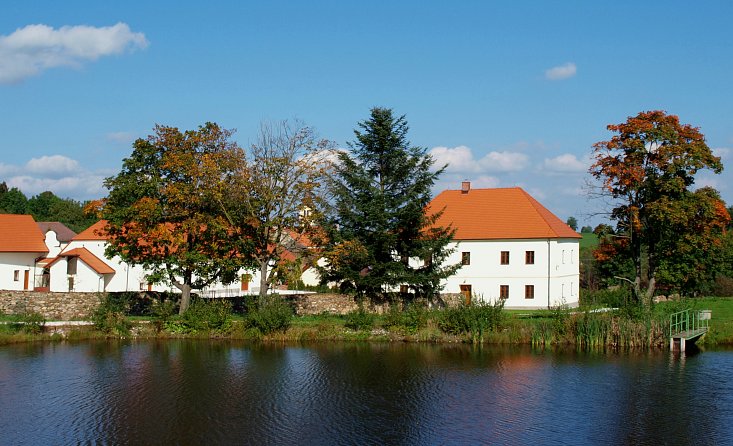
[
  {"x": 461, "y": 159},
  {"x": 561, "y": 72},
  {"x": 30, "y": 50},
  {"x": 121, "y": 137},
  {"x": 565, "y": 163},
  {"x": 722, "y": 152},
  {"x": 55, "y": 166},
  {"x": 56, "y": 173}
]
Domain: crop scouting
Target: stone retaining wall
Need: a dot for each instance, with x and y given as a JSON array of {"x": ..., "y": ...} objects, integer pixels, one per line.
[
  {"x": 324, "y": 303},
  {"x": 53, "y": 306}
]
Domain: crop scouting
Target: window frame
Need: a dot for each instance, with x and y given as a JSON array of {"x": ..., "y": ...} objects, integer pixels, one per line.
[
  {"x": 504, "y": 258},
  {"x": 529, "y": 257},
  {"x": 529, "y": 291},
  {"x": 503, "y": 292},
  {"x": 465, "y": 258}
]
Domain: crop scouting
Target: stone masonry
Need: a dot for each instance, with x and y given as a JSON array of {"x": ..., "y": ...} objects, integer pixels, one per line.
[{"x": 53, "y": 306}]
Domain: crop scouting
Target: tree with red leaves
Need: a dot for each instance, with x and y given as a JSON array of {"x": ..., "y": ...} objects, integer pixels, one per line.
[{"x": 667, "y": 231}]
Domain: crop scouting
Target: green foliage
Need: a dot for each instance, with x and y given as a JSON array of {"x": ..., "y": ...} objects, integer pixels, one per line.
[
  {"x": 110, "y": 317},
  {"x": 360, "y": 320},
  {"x": 586, "y": 230},
  {"x": 410, "y": 320},
  {"x": 269, "y": 314},
  {"x": 207, "y": 315},
  {"x": 162, "y": 312},
  {"x": 607, "y": 297},
  {"x": 378, "y": 217},
  {"x": 13, "y": 201},
  {"x": 573, "y": 223},
  {"x": 474, "y": 320},
  {"x": 32, "y": 323}
]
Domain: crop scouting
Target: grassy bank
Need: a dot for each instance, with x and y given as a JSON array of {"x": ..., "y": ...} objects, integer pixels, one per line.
[{"x": 476, "y": 324}]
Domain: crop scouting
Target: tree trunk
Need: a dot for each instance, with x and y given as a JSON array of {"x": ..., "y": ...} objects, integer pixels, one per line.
[
  {"x": 185, "y": 296},
  {"x": 263, "y": 278}
]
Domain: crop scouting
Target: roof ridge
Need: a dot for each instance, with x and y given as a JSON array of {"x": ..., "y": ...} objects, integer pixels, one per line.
[{"x": 539, "y": 210}]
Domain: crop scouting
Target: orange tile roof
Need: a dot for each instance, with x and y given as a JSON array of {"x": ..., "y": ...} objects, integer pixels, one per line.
[
  {"x": 93, "y": 232},
  {"x": 20, "y": 233},
  {"x": 491, "y": 214},
  {"x": 90, "y": 259}
]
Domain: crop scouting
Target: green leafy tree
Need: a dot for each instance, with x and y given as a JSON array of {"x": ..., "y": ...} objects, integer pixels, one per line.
[
  {"x": 377, "y": 222},
  {"x": 165, "y": 208},
  {"x": 14, "y": 202},
  {"x": 647, "y": 168},
  {"x": 573, "y": 223}
]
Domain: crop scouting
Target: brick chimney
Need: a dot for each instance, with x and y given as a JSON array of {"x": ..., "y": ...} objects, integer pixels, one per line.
[{"x": 465, "y": 187}]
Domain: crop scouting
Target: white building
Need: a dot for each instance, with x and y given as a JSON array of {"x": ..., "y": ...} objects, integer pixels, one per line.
[
  {"x": 83, "y": 266},
  {"x": 21, "y": 245},
  {"x": 510, "y": 247}
]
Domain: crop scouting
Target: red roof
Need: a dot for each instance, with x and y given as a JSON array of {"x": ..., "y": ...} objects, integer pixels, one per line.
[
  {"x": 491, "y": 214},
  {"x": 87, "y": 257},
  {"x": 20, "y": 233},
  {"x": 93, "y": 232}
]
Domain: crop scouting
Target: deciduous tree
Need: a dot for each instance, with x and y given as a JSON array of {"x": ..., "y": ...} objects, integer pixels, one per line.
[
  {"x": 164, "y": 208},
  {"x": 278, "y": 193},
  {"x": 378, "y": 222},
  {"x": 648, "y": 168}
]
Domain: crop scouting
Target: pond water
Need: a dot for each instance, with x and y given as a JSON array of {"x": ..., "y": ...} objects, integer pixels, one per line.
[{"x": 204, "y": 392}]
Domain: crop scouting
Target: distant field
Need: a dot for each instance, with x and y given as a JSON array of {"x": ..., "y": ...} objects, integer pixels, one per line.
[{"x": 589, "y": 240}]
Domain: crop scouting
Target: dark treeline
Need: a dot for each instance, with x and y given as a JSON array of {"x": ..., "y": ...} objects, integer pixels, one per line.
[{"x": 45, "y": 206}]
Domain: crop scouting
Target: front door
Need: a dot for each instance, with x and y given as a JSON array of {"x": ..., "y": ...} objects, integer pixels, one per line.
[
  {"x": 466, "y": 291},
  {"x": 26, "y": 278}
]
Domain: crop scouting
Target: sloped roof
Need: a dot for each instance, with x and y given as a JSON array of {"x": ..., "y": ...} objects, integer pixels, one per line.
[
  {"x": 90, "y": 259},
  {"x": 492, "y": 214},
  {"x": 63, "y": 233},
  {"x": 20, "y": 233},
  {"x": 93, "y": 232}
]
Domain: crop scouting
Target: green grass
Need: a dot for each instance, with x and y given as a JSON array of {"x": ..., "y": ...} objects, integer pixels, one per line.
[
  {"x": 589, "y": 240},
  {"x": 721, "y": 322}
]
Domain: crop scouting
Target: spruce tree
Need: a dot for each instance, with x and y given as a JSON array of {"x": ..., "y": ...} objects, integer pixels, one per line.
[{"x": 380, "y": 235}]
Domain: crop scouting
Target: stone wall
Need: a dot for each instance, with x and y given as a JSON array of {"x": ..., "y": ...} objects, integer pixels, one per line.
[
  {"x": 324, "y": 303},
  {"x": 53, "y": 306}
]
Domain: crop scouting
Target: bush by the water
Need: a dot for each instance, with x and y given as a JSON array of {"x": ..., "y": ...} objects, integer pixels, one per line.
[
  {"x": 474, "y": 319},
  {"x": 410, "y": 319},
  {"x": 360, "y": 319},
  {"x": 110, "y": 316},
  {"x": 269, "y": 315},
  {"x": 206, "y": 315}
]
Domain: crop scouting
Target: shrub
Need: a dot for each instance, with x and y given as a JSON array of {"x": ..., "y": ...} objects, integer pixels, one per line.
[
  {"x": 33, "y": 322},
  {"x": 359, "y": 319},
  {"x": 412, "y": 319},
  {"x": 208, "y": 315},
  {"x": 162, "y": 312},
  {"x": 474, "y": 319},
  {"x": 109, "y": 316},
  {"x": 269, "y": 314}
]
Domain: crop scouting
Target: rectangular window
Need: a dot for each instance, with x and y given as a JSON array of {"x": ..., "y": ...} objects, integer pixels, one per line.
[
  {"x": 465, "y": 258},
  {"x": 466, "y": 292},
  {"x": 505, "y": 257},
  {"x": 16, "y": 275},
  {"x": 529, "y": 257},
  {"x": 71, "y": 265},
  {"x": 404, "y": 289},
  {"x": 504, "y": 291},
  {"x": 529, "y": 291}
]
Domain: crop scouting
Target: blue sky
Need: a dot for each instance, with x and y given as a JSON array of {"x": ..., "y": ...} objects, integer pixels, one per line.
[{"x": 509, "y": 93}]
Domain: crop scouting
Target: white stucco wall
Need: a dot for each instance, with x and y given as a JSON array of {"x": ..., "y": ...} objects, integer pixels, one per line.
[
  {"x": 486, "y": 274},
  {"x": 17, "y": 261},
  {"x": 126, "y": 277}
]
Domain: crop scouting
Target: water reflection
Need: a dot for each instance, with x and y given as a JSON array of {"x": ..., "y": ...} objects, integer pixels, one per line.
[{"x": 195, "y": 392}]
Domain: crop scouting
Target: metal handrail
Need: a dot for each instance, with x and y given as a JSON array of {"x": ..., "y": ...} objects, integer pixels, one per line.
[{"x": 683, "y": 321}]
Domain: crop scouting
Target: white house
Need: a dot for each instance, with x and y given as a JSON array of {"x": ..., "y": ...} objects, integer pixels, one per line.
[
  {"x": 83, "y": 266},
  {"x": 21, "y": 245},
  {"x": 510, "y": 247}
]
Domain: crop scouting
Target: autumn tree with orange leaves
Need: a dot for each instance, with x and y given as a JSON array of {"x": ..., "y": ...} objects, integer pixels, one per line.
[
  {"x": 165, "y": 208},
  {"x": 670, "y": 233}
]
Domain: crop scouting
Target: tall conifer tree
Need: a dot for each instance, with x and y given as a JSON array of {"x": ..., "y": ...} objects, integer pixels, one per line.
[{"x": 381, "y": 237}]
